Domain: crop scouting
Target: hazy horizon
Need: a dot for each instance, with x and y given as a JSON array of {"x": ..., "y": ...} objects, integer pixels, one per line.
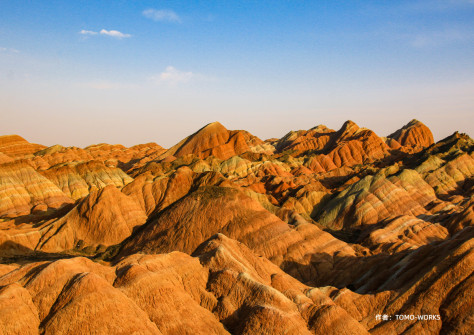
[
  {"x": 133, "y": 72},
  {"x": 195, "y": 130}
]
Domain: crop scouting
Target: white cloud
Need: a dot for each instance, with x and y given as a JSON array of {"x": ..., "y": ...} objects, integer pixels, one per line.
[
  {"x": 111, "y": 33},
  {"x": 173, "y": 76},
  {"x": 114, "y": 33},
  {"x": 161, "y": 15},
  {"x": 87, "y": 32}
]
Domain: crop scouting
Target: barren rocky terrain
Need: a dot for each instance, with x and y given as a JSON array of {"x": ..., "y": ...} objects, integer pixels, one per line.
[{"x": 319, "y": 232}]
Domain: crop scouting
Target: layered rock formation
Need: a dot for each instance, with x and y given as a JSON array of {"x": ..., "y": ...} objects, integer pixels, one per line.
[
  {"x": 349, "y": 146},
  {"x": 210, "y": 210},
  {"x": 77, "y": 179},
  {"x": 16, "y": 146},
  {"x": 22, "y": 190},
  {"x": 215, "y": 140},
  {"x": 414, "y": 135},
  {"x": 319, "y": 232},
  {"x": 104, "y": 217}
]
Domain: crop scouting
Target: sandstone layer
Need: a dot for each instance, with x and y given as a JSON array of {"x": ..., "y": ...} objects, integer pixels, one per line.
[{"x": 321, "y": 231}]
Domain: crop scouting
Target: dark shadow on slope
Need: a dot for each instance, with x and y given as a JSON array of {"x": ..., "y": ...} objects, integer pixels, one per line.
[
  {"x": 11, "y": 252},
  {"x": 375, "y": 273},
  {"x": 348, "y": 236},
  {"x": 38, "y": 218}
]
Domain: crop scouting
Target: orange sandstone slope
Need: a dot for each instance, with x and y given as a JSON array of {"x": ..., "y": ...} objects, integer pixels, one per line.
[
  {"x": 316, "y": 232},
  {"x": 104, "y": 217},
  {"x": 414, "y": 135},
  {"x": 77, "y": 179},
  {"x": 110, "y": 155},
  {"x": 211, "y": 209},
  {"x": 349, "y": 146},
  {"x": 223, "y": 289},
  {"x": 17, "y": 146},
  {"x": 23, "y": 190},
  {"x": 215, "y": 140}
]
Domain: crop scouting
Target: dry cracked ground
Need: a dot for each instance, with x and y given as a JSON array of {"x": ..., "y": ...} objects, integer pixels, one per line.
[{"x": 320, "y": 232}]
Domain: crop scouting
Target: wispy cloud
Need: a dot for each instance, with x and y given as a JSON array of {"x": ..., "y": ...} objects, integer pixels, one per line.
[
  {"x": 112, "y": 33},
  {"x": 87, "y": 32},
  {"x": 9, "y": 50},
  {"x": 173, "y": 76},
  {"x": 161, "y": 15}
]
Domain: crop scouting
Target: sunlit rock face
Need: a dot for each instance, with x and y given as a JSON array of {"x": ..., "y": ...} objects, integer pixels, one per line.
[
  {"x": 16, "y": 146},
  {"x": 320, "y": 232},
  {"x": 413, "y": 135}
]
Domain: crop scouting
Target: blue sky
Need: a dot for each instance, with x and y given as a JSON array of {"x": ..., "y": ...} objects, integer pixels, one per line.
[{"x": 83, "y": 72}]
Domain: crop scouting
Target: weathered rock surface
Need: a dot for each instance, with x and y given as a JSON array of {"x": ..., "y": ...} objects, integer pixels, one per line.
[
  {"x": 374, "y": 198},
  {"x": 223, "y": 288},
  {"x": 414, "y": 134},
  {"x": 105, "y": 217},
  {"x": 210, "y": 210},
  {"x": 16, "y": 304},
  {"x": 16, "y": 146},
  {"x": 171, "y": 289},
  {"x": 314, "y": 233},
  {"x": 110, "y": 155},
  {"x": 215, "y": 140},
  {"x": 22, "y": 188},
  {"x": 5, "y": 158},
  {"x": 349, "y": 146},
  {"x": 77, "y": 179}
]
